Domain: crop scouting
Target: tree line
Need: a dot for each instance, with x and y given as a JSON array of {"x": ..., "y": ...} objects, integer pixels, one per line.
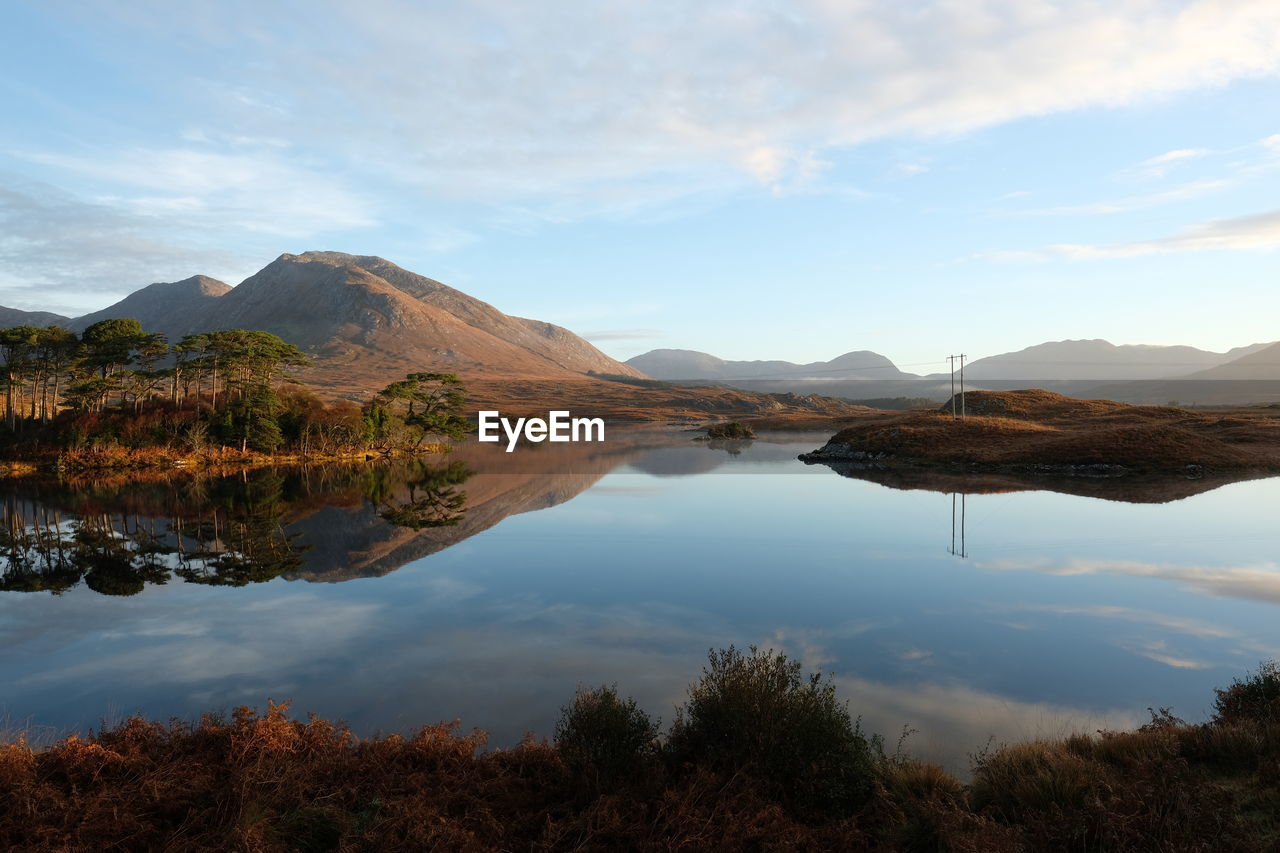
[{"x": 118, "y": 384}]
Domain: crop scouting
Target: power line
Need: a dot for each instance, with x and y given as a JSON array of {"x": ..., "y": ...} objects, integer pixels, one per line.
[{"x": 796, "y": 374}]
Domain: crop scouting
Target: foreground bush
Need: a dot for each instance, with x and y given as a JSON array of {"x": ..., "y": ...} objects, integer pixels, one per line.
[
  {"x": 757, "y": 715},
  {"x": 604, "y": 739},
  {"x": 1254, "y": 698},
  {"x": 761, "y": 759}
]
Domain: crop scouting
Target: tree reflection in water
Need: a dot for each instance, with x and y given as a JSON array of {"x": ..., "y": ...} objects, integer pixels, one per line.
[
  {"x": 432, "y": 502},
  {"x": 226, "y": 530}
]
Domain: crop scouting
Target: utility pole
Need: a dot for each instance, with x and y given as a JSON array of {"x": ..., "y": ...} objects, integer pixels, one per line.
[{"x": 952, "y": 359}]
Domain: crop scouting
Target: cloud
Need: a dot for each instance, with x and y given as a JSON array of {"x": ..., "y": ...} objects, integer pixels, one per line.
[
  {"x": 1161, "y": 165},
  {"x": 622, "y": 334},
  {"x": 1256, "y": 232},
  {"x": 281, "y": 126},
  {"x": 157, "y": 216},
  {"x": 513, "y": 100},
  {"x": 1192, "y": 627},
  {"x": 1251, "y": 583},
  {"x": 50, "y": 240},
  {"x": 255, "y": 191},
  {"x": 1175, "y": 156},
  {"x": 1143, "y": 201},
  {"x": 957, "y": 719}
]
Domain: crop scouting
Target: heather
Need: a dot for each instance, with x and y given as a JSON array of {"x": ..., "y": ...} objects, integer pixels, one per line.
[{"x": 760, "y": 756}]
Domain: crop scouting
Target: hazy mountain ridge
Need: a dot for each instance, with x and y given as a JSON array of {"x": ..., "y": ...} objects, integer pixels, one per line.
[
  {"x": 1262, "y": 362},
  {"x": 692, "y": 364},
  {"x": 1097, "y": 359},
  {"x": 10, "y": 317},
  {"x": 366, "y": 320}
]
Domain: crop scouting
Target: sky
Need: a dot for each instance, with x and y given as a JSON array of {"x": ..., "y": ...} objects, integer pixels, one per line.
[{"x": 776, "y": 180}]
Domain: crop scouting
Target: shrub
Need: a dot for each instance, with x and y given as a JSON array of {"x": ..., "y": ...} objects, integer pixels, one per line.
[
  {"x": 731, "y": 430},
  {"x": 756, "y": 715},
  {"x": 1256, "y": 697},
  {"x": 604, "y": 737}
]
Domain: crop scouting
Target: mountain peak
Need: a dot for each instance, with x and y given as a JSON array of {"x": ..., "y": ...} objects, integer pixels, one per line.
[{"x": 158, "y": 305}]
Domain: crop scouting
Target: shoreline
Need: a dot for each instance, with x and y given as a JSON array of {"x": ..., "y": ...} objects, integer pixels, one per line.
[{"x": 1040, "y": 433}]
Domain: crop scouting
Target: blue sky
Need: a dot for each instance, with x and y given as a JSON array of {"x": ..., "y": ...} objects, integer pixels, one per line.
[{"x": 752, "y": 179}]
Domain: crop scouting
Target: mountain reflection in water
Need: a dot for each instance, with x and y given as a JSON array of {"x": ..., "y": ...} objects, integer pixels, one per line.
[
  {"x": 487, "y": 586},
  {"x": 116, "y": 534}
]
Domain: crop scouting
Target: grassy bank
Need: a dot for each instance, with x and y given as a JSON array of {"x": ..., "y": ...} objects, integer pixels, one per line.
[
  {"x": 111, "y": 458},
  {"x": 758, "y": 757},
  {"x": 1041, "y": 431}
]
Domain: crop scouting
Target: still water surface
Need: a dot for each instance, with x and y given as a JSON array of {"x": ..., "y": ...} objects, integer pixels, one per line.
[{"x": 392, "y": 596}]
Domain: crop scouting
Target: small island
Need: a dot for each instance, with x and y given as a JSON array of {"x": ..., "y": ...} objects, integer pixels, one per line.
[{"x": 1040, "y": 432}]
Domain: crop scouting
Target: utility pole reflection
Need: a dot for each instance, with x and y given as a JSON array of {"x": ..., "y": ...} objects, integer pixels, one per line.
[{"x": 962, "y": 552}]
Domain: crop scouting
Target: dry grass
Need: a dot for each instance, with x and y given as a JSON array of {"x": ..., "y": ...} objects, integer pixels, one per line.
[
  {"x": 272, "y": 783},
  {"x": 1040, "y": 428}
]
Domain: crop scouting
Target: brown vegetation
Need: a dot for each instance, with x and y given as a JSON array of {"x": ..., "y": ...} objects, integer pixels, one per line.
[
  {"x": 759, "y": 758},
  {"x": 1039, "y": 429},
  {"x": 626, "y": 402}
]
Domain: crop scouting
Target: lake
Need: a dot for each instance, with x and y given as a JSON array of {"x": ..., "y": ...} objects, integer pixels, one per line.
[{"x": 487, "y": 586}]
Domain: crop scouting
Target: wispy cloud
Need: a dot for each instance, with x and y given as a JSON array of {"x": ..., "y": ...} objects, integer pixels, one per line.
[
  {"x": 1193, "y": 627},
  {"x": 261, "y": 191},
  {"x": 511, "y": 100},
  {"x": 622, "y": 334},
  {"x": 1257, "y": 232},
  {"x": 1253, "y": 583},
  {"x": 1161, "y": 165},
  {"x": 1143, "y": 201},
  {"x": 550, "y": 114},
  {"x": 49, "y": 238}
]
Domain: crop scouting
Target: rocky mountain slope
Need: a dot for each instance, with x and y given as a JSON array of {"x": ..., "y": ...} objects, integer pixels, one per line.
[{"x": 164, "y": 306}]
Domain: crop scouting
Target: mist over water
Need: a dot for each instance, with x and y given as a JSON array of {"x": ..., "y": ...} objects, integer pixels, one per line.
[{"x": 487, "y": 586}]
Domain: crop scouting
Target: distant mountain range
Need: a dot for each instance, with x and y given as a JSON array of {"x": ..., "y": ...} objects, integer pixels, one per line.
[
  {"x": 690, "y": 364},
  {"x": 1103, "y": 361},
  {"x": 1077, "y": 360},
  {"x": 366, "y": 321},
  {"x": 1262, "y": 362}
]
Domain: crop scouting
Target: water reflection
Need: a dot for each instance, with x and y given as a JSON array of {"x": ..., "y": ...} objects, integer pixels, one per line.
[
  {"x": 117, "y": 535},
  {"x": 962, "y": 552},
  {"x": 625, "y": 563},
  {"x": 1158, "y": 488}
]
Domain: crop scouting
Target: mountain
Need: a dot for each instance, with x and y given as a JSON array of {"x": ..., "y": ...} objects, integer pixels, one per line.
[
  {"x": 1263, "y": 362},
  {"x": 691, "y": 364},
  {"x": 10, "y": 317},
  {"x": 163, "y": 306},
  {"x": 1099, "y": 360},
  {"x": 366, "y": 321}
]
